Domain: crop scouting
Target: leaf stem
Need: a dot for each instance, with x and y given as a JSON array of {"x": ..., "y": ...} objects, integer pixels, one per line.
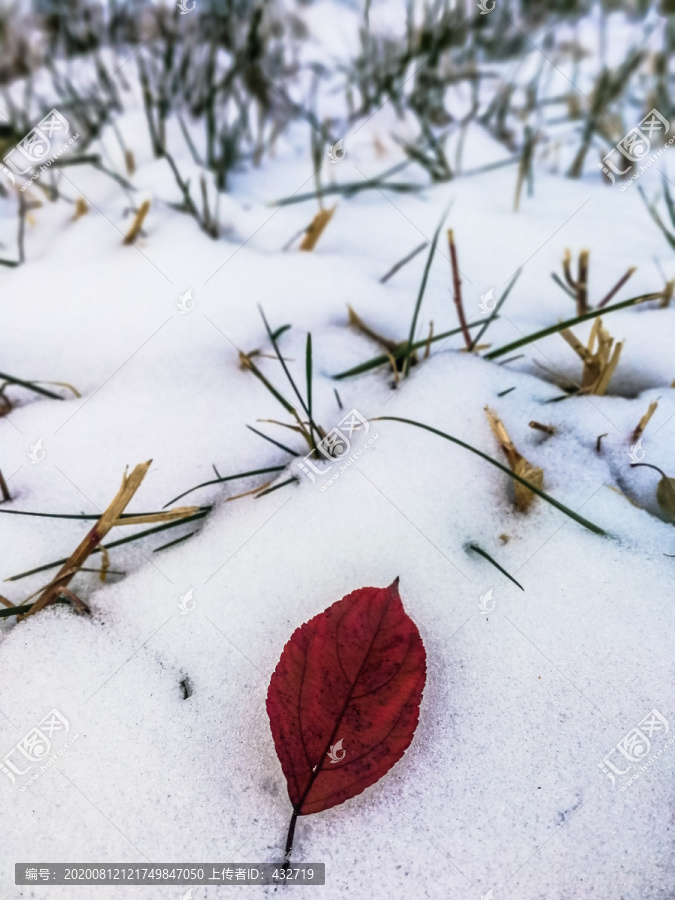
[
  {"x": 289, "y": 838},
  {"x": 649, "y": 466}
]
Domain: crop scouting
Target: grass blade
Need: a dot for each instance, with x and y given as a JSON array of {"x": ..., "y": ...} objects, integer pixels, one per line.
[
  {"x": 273, "y": 441},
  {"x": 275, "y": 487},
  {"x": 568, "y": 323},
  {"x": 93, "y": 516},
  {"x": 308, "y": 374},
  {"x": 14, "y": 611},
  {"x": 507, "y": 471},
  {"x": 495, "y": 311},
  {"x": 402, "y": 262},
  {"x": 272, "y": 338},
  {"x": 382, "y": 359},
  {"x": 126, "y": 540},
  {"x": 355, "y": 187},
  {"x": 30, "y": 386},
  {"x": 420, "y": 295},
  {"x": 270, "y": 387},
  {"x": 494, "y": 562},
  {"x": 173, "y": 543},
  {"x": 226, "y": 478}
]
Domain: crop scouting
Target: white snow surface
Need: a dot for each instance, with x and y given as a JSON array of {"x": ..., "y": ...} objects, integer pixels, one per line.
[{"x": 501, "y": 788}]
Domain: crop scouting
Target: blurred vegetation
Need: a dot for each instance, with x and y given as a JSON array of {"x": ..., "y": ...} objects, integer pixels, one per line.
[{"x": 235, "y": 68}]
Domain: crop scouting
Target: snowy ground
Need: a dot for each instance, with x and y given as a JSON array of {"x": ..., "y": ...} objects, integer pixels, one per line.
[{"x": 501, "y": 789}]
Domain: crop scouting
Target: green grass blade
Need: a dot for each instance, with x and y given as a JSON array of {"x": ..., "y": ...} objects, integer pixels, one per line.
[
  {"x": 494, "y": 562},
  {"x": 423, "y": 286},
  {"x": 270, "y": 387},
  {"x": 669, "y": 200},
  {"x": 14, "y": 611},
  {"x": 273, "y": 441},
  {"x": 653, "y": 212},
  {"x": 354, "y": 187},
  {"x": 173, "y": 543},
  {"x": 29, "y": 386},
  {"x": 89, "y": 517},
  {"x": 308, "y": 373},
  {"x": 109, "y": 546},
  {"x": 287, "y": 372},
  {"x": 282, "y": 329},
  {"x": 275, "y": 487},
  {"x": 382, "y": 359},
  {"x": 568, "y": 323},
  {"x": 220, "y": 480},
  {"x": 495, "y": 311},
  {"x": 505, "y": 469}
]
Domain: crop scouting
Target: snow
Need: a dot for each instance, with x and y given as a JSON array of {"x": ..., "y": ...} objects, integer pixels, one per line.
[{"x": 501, "y": 789}]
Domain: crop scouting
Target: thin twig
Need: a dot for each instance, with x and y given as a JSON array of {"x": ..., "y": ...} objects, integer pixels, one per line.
[
  {"x": 617, "y": 287},
  {"x": 457, "y": 289}
]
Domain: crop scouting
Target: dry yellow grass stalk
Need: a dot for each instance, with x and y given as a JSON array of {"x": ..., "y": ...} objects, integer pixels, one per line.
[
  {"x": 261, "y": 487},
  {"x": 178, "y": 512},
  {"x": 642, "y": 424},
  {"x": 427, "y": 348},
  {"x": 625, "y": 496},
  {"x": 108, "y": 520},
  {"x": 63, "y": 384},
  {"x": 667, "y": 294},
  {"x": 81, "y": 208},
  {"x": 599, "y": 363},
  {"x": 579, "y": 284},
  {"x": 137, "y": 224},
  {"x": 105, "y": 564},
  {"x": 315, "y": 230},
  {"x": 517, "y": 462},
  {"x": 539, "y": 426},
  {"x": 357, "y": 322},
  {"x": 129, "y": 162},
  {"x": 391, "y": 348}
]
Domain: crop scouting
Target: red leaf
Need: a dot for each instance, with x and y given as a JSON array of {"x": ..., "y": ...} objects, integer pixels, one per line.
[{"x": 344, "y": 698}]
